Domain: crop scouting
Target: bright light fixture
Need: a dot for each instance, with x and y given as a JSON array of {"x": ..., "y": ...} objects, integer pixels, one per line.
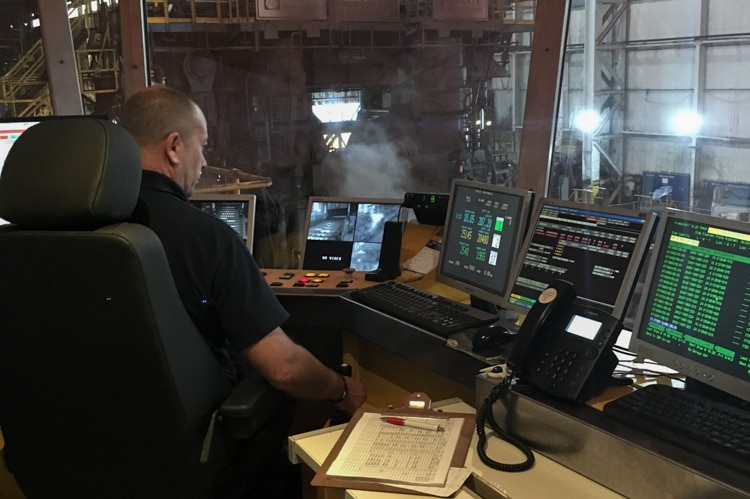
[
  {"x": 587, "y": 120},
  {"x": 687, "y": 122}
]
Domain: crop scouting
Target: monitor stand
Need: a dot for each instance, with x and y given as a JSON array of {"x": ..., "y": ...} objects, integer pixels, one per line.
[
  {"x": 506, "y": 317},
  {"x": 483, "y": 305}
]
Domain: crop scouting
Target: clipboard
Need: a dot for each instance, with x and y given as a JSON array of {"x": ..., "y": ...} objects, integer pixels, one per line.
[{"x": 321, "y": 478}]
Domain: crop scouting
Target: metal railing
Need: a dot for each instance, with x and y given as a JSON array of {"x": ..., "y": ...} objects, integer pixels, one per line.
[{"x": 24, "y": 89}]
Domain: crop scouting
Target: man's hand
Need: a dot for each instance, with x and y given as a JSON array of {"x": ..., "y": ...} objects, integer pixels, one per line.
[{"x": 355, "y": 396}]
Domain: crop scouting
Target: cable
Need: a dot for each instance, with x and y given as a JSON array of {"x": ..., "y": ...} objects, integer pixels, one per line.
[
  {"x": 485, "y": 413},
  {"x": 623, "y": 350}
]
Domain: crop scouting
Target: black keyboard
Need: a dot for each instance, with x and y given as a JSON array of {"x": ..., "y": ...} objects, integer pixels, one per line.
[
  {"x": 434, "y": 313},
  {"x": 709, "y": 428}
]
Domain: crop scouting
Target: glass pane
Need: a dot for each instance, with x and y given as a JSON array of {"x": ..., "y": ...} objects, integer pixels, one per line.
[
  {"x": 654, "y": 106},
  {"x": 24, "y": 88},
  {"x": 325, "y": 99},
  {"x": 23, "y": 83}
]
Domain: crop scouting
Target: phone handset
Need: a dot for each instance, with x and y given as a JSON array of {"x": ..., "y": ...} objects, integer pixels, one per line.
[{"x": 553, "y": 302}]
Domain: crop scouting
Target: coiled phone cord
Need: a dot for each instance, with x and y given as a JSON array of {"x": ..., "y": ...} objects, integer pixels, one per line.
[{"x": 485, "y": 414}]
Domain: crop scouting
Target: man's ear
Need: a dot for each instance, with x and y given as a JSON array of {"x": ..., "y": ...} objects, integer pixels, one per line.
[{"x": 172, "y": 144}]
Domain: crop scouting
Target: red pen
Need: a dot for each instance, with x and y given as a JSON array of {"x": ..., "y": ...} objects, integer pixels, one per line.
[{"x": 411, "y": 423}]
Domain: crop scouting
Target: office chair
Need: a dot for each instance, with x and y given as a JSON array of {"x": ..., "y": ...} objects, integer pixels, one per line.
[{"x": 106, "y": 387}]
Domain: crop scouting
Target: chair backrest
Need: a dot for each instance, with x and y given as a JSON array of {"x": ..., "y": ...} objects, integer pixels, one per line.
[{"x": 106, "y": 387}]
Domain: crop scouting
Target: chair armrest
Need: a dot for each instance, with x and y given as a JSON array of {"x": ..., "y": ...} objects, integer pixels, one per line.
[{"x": 252, "y": 403}]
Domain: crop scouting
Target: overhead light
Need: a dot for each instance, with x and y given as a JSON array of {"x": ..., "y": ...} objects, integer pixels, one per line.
[
  {"x": 687, "y": 122},
  {"x": 587, "y": 121}
]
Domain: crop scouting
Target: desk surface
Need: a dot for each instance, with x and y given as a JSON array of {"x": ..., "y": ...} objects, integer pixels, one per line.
[{"x": 545, "y": 479}]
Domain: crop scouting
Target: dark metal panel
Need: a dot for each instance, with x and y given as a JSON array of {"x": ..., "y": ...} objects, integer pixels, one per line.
[
  {"x": 623, "y": 459},
  {"x": 364, "y": 10}
]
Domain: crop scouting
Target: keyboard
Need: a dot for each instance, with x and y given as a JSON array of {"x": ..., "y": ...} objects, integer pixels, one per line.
[
  {"x": 420, "y": 308},
  {"x": 712, "y": 429}
]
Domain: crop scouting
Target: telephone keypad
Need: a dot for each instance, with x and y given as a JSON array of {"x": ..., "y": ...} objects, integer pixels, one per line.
[{"x": 563, "y": 366}]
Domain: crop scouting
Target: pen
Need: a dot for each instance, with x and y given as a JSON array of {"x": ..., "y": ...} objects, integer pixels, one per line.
[{"x": 412, "y": 424}]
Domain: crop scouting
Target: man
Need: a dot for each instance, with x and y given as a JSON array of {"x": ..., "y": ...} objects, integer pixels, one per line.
[{"x": 220, "y": 284}]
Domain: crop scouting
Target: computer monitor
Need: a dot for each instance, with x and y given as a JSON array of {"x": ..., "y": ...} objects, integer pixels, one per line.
[
  {"x": 695, "y": 313},
  {"x": 345, "y": 232},
  {"x": 10, "y": 130},
  {"x": 484, "y": 227},
  {"x": 237, "y": 210},
  {"x": 662, "y": 184},
  {"x": 599, "y": 249}
]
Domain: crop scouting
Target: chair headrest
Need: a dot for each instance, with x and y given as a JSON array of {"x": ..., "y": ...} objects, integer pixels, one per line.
[{"x": 71, "y": 173}]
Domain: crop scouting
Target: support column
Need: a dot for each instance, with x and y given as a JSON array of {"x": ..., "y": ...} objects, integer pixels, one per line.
[
  {"x": 135, "y": 68},
  {"x": 550, "y": 35},
  {"x": 60, "y": 58}
]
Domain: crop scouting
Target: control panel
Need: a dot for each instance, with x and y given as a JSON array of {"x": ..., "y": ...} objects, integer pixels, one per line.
[{"x": 314, "y": 282}]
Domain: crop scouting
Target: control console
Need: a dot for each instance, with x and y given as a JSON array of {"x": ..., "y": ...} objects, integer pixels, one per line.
[{"x": 313, "y": 282}]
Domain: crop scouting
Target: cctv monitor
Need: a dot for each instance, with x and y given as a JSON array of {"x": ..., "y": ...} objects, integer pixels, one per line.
[
  {"x": 661, "y": 184},
  {"x": 695, "y": 314},
  {"x": 237, "y": 210},
  {"x": 599, "y": 249},
  {"x": 484, "y": 227},
  {"x": 345, "y": 232}
]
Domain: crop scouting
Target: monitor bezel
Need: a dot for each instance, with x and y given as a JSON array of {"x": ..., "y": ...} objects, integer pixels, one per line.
[
  {"x": 342, "y": 199},
  {"x": 637, "y": 259},
  {"x": 690, "y": 368},
  {"x": 527, "y": 201},
  {"x": 251, "y": 206}
]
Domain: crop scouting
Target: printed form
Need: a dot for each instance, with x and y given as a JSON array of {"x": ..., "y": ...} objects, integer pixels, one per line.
[{"x": 398, "y": 454}]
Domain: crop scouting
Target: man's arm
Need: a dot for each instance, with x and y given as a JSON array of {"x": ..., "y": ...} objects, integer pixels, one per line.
[{"x": 293, "y": 369}]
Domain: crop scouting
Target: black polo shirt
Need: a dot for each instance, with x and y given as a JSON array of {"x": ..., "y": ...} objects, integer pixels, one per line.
[{"x": 219, "y": 282}]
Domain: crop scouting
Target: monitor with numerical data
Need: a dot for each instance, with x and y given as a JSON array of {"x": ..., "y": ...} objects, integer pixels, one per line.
[
  {"x": 599, "y": 249},
  {"x": 484, "y": 227}
]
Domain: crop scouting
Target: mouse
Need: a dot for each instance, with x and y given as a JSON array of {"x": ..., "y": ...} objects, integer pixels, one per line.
[{"x": 488, "y": 338}]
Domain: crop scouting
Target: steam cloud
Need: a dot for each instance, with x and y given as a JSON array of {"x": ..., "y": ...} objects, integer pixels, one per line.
[{"x": 371, "y": 165}]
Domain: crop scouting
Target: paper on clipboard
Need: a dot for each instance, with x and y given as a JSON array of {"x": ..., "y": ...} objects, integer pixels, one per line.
[
  {"x": 398, "y": 454},
  {"x": 456, "y": 476}
]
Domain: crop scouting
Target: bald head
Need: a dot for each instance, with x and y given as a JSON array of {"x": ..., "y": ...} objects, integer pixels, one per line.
[
  {"x": 153, "y": 113},
  {"x": 171, "y": 131}
]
